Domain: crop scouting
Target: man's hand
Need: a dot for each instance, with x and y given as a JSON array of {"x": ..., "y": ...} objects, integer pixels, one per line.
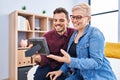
[
  {"x": 37, "y": 57},
  {"x": 66, "y": 57},
  {"x": 54, "y": 74}
]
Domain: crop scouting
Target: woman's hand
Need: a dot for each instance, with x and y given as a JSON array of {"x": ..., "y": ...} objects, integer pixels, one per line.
[
  {"x": 66, "y": 57},
  {"x": 54, "y": 74}
]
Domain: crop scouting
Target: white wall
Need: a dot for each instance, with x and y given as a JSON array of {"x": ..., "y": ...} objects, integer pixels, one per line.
[
  {"x": 107, "y": 23},
  {"x": 34, "y": 6}
]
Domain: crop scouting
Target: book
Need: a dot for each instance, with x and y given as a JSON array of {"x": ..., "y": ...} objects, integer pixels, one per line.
[{"x": 22, "y": 23}]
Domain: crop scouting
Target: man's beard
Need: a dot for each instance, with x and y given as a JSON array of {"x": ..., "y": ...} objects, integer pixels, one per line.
[{"x": 61, "y": 30}]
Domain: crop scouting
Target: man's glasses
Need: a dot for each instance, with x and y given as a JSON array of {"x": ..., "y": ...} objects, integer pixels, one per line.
[{"x": 78, "y": 17}]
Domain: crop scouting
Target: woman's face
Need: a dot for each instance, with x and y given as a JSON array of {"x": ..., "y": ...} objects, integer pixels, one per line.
[{"x": 79, "y": 19}]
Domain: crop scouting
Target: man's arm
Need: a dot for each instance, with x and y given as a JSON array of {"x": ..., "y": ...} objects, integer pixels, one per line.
[{"x": 41, "y": 60}]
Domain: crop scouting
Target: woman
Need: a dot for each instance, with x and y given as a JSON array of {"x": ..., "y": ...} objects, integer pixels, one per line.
[{"x": 85, "y": 54}]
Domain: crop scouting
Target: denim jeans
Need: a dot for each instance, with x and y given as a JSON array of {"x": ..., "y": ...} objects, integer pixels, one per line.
[{"x": 41, "y": 73}]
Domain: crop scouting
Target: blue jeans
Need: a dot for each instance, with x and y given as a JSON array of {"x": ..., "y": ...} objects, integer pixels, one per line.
[
  {"x": 74, "y": 77},
  {"x": 41, "y": 73}
]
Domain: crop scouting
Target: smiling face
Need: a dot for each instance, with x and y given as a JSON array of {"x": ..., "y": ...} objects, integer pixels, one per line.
[
  {"x": 79, "y": 19},
  {"x": 60, "y": 22},
  {"x": 81, "y": 16}
]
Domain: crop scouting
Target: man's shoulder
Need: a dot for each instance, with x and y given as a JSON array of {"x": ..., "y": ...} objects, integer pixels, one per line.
[
  {"x": 49, "y": 32},
  {"x": 70, "y": 29}
]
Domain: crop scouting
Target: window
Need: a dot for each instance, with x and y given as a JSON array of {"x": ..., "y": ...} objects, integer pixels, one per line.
[{"x": 105, "y": 17}]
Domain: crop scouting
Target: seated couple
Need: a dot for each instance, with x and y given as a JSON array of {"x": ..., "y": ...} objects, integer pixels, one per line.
[{"x": 78, "y": 51}]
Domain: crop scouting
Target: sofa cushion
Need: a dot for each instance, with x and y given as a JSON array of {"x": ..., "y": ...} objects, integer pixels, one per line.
[{"x": 112, "y": 50}]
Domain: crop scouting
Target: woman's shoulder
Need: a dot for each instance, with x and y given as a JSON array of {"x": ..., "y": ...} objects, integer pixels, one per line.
[
  {"x": 94, "y": 28},
  {"x": 95, "y": 31}
]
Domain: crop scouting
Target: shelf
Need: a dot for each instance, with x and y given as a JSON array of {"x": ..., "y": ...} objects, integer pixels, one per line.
[{"x": 24, "y": 25}]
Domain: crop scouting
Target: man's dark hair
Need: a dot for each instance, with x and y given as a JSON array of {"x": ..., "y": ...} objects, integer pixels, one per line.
[{"x": 61, "y": 10}]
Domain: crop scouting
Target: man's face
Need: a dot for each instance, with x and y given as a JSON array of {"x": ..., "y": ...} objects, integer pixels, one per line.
[{"x": 60, "y": 22}]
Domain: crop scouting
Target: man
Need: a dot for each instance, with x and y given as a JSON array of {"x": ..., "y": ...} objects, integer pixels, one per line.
[{"x": 57, "y": 39}]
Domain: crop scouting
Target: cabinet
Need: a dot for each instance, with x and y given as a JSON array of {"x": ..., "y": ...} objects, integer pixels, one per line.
[{"x": 24, "y": 25}]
